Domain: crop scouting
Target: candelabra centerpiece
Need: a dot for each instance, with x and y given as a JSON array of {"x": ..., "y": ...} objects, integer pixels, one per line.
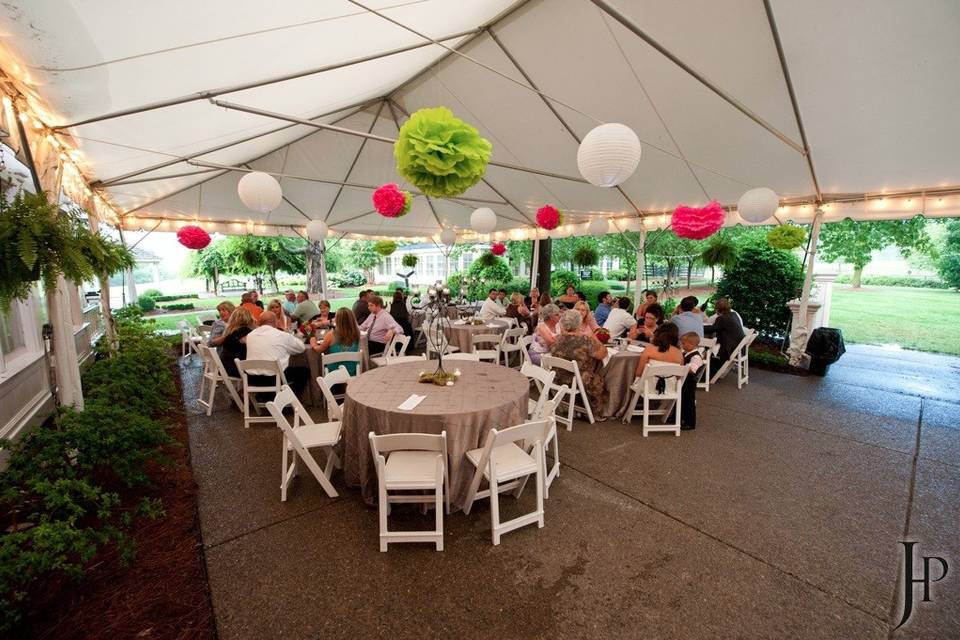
[{"x": 435, "y": 305}]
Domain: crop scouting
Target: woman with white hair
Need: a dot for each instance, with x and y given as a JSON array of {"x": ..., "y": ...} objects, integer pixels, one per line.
[
  {"x": 588, "y": 353},
  {"x": 546, "y": 332}
]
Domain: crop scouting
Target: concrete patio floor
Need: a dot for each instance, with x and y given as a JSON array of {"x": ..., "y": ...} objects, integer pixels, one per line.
[{"x": 781, "y": 516}]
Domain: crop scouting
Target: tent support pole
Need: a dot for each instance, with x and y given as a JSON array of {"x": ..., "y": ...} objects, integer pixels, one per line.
[
  {"x": 620, "y": 17},
  {"x": 641, "y": 282},
  {"x": 800, "y": 333},
  {"x": 534, "y": 262}
]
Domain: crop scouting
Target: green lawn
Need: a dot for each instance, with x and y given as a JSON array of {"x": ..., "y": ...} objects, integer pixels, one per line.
[{"x": 922, "y": 319}]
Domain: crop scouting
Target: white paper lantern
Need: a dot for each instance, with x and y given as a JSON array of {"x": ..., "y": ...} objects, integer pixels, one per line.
[
  {"x": 448, "y": 237},
  {"x": 609, "y": 154},
  {"x": 483, "y": 220},
  {"x": 757, "y": 205},
  {"x": 260, "y": 191},
  {"x": 317, "y": 230},
  {"x": 598, "y": 226}
]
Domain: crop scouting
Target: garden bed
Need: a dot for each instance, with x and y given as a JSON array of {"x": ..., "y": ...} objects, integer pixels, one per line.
[{"x": 768, "y": 357}]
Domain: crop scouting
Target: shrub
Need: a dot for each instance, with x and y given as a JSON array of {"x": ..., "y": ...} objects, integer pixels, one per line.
[
  {"x": 560, "y": 279},
  {"x": 156, "y": 294},
  {"x": 896, "y": 281},
  {"x": 616, "y": 286},
  {"x": 186, "y": 296},
  {"x": 520, "y": 285},
  {"x": 182, "y": 306},
  {"x": 592, "y": 290},
  {"x": 618, "y": 274},
  {"x": 146, "y": 303},
  {"x": 949, "y": 264},
  {"x": 347, "y": 279},
  {"x": 760, "y": 283}
]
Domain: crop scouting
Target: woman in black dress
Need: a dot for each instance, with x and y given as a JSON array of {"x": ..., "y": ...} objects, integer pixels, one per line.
[{"x": 234, "y": 345}]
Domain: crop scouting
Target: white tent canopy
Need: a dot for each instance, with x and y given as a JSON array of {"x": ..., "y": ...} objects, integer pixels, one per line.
[{"x": 874, "y": 82}]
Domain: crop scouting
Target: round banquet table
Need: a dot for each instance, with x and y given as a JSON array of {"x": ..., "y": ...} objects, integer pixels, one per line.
[
  {"x": 487, "y": 396},
  {"x": 461, "y": 335},
  {"x": 619, "y": 373}
]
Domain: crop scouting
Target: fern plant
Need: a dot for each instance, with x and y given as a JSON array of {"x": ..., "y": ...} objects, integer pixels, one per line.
[
  {"x": 585, "y": 256},
  {"x": 719, "y": 252},
  {"x": 410, "y": 260}
]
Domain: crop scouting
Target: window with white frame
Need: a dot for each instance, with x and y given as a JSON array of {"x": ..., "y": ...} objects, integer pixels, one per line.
[{"x": 467, "y": 261}]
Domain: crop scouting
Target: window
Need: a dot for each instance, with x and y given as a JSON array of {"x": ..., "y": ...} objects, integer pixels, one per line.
[
  {"x": 12, "y": 338},
  {"x": 467, "y": 260},
  {"x": 428, "y": 266}
]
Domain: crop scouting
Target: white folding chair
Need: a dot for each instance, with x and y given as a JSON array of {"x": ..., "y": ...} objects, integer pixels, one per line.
[
  {"x": 492, "y": 355},
  {"x": 189, "y": 339},
  {"x": 512, "y": 323},
  {"x": 203, "y": 330},
  {"x": 444, "y": 345},
  {"x": 507, "y": 467},
  {"x": 645, "y": 386},
  {"x": 543, "y": 379},
  {"x": 213, "y": 374},
  {"x": 576, "y": 390},
  {"x": 740, "y": 358},
  {"x": 414, "y": 462},
  {"x": 471, "y": 357},
  {"x": 525, "y": 343},
  {"x": 510, "y": 344},
  {"x": 402, "y": 359},
  {"x": 708, "y": 347},
  {"x": 330, "y": 361},
  {"x": 248, "y": 368},
  {"x": 548, "y": 412},
  {"x": 300, "y": 437},
  {"x": 395, "y": 348},
  {"x": 327, "y": 383}
]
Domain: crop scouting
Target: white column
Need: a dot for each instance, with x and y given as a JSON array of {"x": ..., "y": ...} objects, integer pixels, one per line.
[
  {"x": 534, "y": 262},
  {"x": 66, "y": 366},
  {"x": 641, "y": 266},
  {"x": 800, "y": 333},
  {"x": 131, "y": 286}
]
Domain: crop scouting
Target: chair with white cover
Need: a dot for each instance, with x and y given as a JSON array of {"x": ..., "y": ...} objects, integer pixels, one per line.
[
  {"x": 488, "y": 354},
  {"x": 213, "y": 374},
  {"x": 471, "y": 357},
  {"x": 576, "y": 389},
  {"x": 304, "y": 434},
  {"x": 646, "y": 387},
  {"x": 543, "y": 379},
  {"x": 740, "y": 358},
  {"x": 708, "y": 347},
  {"x": 263, "y": 368},
  {"x": 189, "y": 339},
  {"x": 511, "y": 344},
  {"x": 327, "y": 383},
  {"x": 506, "y": 466},
  {"x": 548, "y": 412},
  {"x": 411, "y": 462},
  {"x": 329, "y": 362},
  {"x": 402, "y": 359},
  {"x": 395, "y": 348}
]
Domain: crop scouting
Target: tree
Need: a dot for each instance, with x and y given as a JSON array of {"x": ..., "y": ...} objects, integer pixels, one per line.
[
  {"x": 760, "y": 283},
  {"x": 263, "y": 256},
  {"x": 615, "y": 245},
  {"x": 949, "y": 266},
  {"x": 855, "y": 242},
  {"x": 363, "y": 257},
  {"x": 208, "y": 263},
  {"x": 668, "y": 247}
]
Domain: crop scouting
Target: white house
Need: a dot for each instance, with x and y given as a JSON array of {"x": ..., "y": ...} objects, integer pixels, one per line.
[{"x": 432, "y": 264}]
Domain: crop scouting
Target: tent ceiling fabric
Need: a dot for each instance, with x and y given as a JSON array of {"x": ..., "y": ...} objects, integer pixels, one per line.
[{"x": 875, "y": 89}]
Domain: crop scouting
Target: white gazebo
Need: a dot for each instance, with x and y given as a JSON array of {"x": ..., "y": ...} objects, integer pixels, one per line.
[{"x": 154, "y": 113}]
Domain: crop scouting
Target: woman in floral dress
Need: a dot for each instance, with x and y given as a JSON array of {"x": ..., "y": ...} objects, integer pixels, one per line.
[{"x": 588, "y": 353}]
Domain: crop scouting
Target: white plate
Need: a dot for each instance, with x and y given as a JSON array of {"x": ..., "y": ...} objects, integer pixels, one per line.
[{"x": 634, "y": 348}]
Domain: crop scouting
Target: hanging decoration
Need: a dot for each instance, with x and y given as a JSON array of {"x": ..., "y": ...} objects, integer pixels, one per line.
[
  {"x": 440, "y": 154},
  {"x": 260, "y": 192},
  {"x": 385, "y": 247},
  {"x": 409, "y": 260},
  {"x": 599, "y": 226},
  {"x": 317, "y": 230},
  {"x": 448, "y": 237},
  {"x": 609, "y": 154},
  {"x": 498, "y": 248},
  {"x": 193, "y": 237},
  {"x": 786, "y": 236},
  {"x": 549, "y": 217},
  {"x": 483, "y": 220},
  {"x": 391, "y": 201},
  {"x": 758, "y": 205},
  {"x": 585, "y": 256},
  {"x": 697, "y": 223}
]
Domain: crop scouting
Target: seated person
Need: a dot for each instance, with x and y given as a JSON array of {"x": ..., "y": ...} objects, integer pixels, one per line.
[
  {"x": 490, "y": 309},
  {"x": 360, "y": 308},
  {"x": 587, "y": 323},
  {"x": 225, "y": 309},
  {"x": 689, "y": 343},
  {"x": 728, "y": 331},
  {"x": 306, "y": 308},
  {"x": 619, "y": 322},
  {"x": 652, "y": 318},
  {"x": 663, "y": 348},
  {"x": 233, "y": 345},
  {"x": 688, "y": 317},
  {"x": 345, "y": 337},
  {"x": 588, "y": 353},
  {"x": 379, "y": 325},
  {"x": 502, "y": 298},
  {"x": 289, "y": 301},
  {"x": 247, "y": 302},
  {"x": 546, "y": 332},
  {"x": 533, "y": 300},
  {"x": 569, "y": 298},
  {"x": 604, "y": 302},
  {"x": 266, "y": 342},
  {"x": 283, "y": 322},
  {"x": 398, "y": 309},
  {"x": 517, "y": 309},
  {"x": 649, "y": 297}
]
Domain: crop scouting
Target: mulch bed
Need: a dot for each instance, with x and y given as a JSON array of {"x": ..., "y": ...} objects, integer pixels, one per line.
[
  {"x": 163, "y": 593},
  {"x": 773, "y": 350}
]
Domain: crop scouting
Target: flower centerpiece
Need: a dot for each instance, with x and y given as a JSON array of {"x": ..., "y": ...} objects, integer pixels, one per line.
[
  {"x": 602, "y": 335},
  {"x": 312, "y": 329}
]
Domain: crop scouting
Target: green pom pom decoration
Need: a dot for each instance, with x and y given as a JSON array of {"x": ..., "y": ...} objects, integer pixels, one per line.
[
  {"x": 410, "y": 260},
  {"x": 407, "y": 203},
  {"x": 786, "y": 236},
  {"x": 440, "y": 154},
  {"x": 385, "y": 247}
]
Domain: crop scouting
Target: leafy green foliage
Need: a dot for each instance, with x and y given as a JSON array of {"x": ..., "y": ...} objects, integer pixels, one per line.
[
  {"x": 487, "y": 259},
  {"x": 949, "y": 266},
  {"x": 586, "y": 255},
  {"x": 62, "y": 494},
  {"x": 346, "y": 279},
  {"x": 917, "y": 282},
  {"x": 560, "y": 279},
  {"x": 156, "y": 294},
  {"x": 483, "y": 278},
  {"x": 759, "y": 285},
  {"x": 384, "y": 247},
  {"x": 182, "y": 306},
  {"x": 410, "y": 260},
  {"x": 619, "y": 274},
  {"x": 719, "y": 251},
  {"x": 146, "y": 303},
  {"x": 786, "y": 236},
  {"x": 854, "y": 242}
]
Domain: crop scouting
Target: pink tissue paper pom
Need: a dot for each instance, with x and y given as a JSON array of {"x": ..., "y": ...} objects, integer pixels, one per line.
[
  {"x": 697, "y": 223},
  {"x": 548, "y": 217},
  {"x": 390, "y": 201},
  {"x": 193, "y": 237},
  {"x": 498, "y": 248}
]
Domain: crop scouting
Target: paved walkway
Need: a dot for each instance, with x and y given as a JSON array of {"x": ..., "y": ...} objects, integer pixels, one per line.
[{"x": 779, "y": 517}]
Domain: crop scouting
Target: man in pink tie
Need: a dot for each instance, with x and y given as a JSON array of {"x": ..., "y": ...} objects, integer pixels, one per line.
[{"x": 379, "y": 325}]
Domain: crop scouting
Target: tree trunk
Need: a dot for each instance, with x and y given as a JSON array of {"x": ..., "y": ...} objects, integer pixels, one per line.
[
  {"x": 216, "y": 281},
  {"x": 273, "y": 281},
  {"x": 314, "y": 279},
  {"x": 857, "y": 274},
  {"x": 258, "y": 281},
  {"x": 689, "y": 270},
  {"x": 712, "y": 274},
  {"x": 543, "y": 265}
]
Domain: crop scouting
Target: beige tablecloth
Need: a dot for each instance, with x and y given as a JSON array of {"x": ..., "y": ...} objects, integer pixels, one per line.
[
  {"x": 619, "y": 373},
  {"x": 461, "y": 335},
  {"x": 487, "y": 396},
  {"x": 313, "y": 396}
]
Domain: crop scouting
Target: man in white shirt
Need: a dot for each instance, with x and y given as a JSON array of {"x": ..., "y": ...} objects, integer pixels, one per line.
[
  {"x": 490, "y": 310},
  {"x": 266, "y": 342},
  {"x": 620, "y": 322},
  {"x": 379, "y": 325}
]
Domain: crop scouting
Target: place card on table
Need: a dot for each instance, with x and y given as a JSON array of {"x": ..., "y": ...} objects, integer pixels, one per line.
[{"x": 411, "y": 403}]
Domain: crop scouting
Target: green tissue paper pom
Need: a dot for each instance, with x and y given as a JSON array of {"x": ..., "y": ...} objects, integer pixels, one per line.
[
  {"x": 385, "y": 247},
  {"x": 440, "y": 154},
  {"x": 786, "y": 236}
]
